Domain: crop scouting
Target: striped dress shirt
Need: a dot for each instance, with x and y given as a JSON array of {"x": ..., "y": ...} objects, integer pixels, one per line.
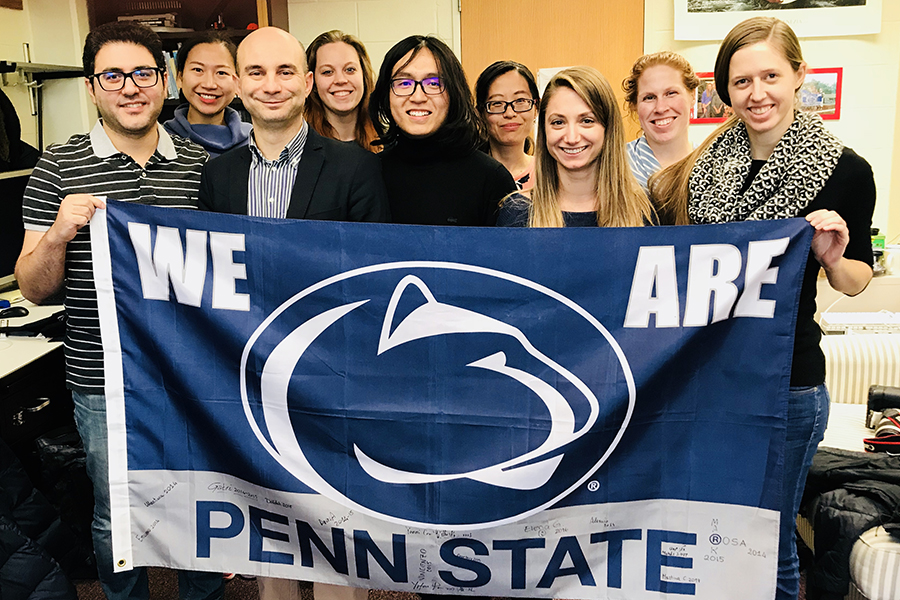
[{"x": 271, "y": 181}]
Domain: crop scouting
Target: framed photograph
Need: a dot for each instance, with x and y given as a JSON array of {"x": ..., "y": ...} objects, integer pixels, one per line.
[
  {"x": 708, "y": 107},
  {"x": 821, "y": 92},
  {"x": 713, "y": 19}
]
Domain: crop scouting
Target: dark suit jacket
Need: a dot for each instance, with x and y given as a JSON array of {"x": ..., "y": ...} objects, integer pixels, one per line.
[{"x": 336, "y": 181}]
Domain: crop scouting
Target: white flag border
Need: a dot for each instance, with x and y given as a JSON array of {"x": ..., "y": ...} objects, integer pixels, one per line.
[{"x": 114, "y": 388}]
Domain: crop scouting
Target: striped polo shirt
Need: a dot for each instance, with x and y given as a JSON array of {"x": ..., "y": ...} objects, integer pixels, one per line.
[{"x": 90, "y": 164}]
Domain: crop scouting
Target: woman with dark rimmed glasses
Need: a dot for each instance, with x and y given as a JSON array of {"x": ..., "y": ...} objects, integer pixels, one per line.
[
  {"x": 423, "y": 111},
  {"x": 506, "y": 95}
]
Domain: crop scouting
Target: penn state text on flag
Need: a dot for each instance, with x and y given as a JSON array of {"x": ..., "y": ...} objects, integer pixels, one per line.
[{"x": 537, "y": 413}]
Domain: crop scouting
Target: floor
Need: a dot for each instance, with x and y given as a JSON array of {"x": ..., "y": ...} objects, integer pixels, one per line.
[{"x": 164, "y": 586}]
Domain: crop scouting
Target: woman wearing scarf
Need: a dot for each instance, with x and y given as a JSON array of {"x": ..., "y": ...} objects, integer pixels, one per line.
[{"x": 770, "y": 161}]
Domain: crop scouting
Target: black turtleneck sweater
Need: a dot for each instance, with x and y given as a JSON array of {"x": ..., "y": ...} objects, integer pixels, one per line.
[{"x": 429, "y": 183}]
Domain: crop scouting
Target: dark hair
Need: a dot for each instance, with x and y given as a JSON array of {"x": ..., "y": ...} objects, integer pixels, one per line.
[
  {"x": 207, "y": 37},
  {"x": 462, "y": 129},
  {"x": 749, "y": 32},
  {"x": 689, "y": 79},
  {"x": 126, "y": 32},
  {"x": 492, "y": 72},
  {"x": 315, "y": 110}
]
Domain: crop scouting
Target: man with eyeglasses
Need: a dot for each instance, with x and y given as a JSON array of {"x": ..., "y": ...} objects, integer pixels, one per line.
[
  {"x": 288, "y": 170},
  {"x": 127, "y": 156},
  {"x": 433, "y": 169}
]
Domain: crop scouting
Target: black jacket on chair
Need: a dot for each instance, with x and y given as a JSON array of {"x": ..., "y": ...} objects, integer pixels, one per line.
[
  {"x": 846, "y": 494},
  {"x": 30, "y": 534},
  {"x": 336, "y": 181}
]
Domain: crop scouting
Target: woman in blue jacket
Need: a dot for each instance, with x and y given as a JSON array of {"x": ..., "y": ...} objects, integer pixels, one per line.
[{"x": 206, "y": 74}]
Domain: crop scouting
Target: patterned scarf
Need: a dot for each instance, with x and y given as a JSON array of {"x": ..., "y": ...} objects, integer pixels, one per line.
[{"x": 793, "y": 175}]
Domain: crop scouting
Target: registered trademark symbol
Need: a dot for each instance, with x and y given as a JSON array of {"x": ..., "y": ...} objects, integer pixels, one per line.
[
  {"x": 593, "y": 486},
  {"x": 715, "y": 539}
]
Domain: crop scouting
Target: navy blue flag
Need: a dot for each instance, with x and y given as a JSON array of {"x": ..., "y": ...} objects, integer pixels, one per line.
[{"x": 575, "y": 413}]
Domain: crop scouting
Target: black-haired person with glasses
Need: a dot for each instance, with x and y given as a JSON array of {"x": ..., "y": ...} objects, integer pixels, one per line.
[
  {"x": 423, "y": 111},
  {"x": 506, "y": 95},
  {"x": 127, "y": 156}
]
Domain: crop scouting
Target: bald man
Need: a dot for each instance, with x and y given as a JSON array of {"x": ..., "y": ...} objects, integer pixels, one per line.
[
  {"x": 290, "y": 171},
  {"x": 312, "y": 177}
]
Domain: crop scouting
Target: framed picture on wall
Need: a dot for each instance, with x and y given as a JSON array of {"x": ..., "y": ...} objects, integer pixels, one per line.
[
  {"x": 821, "y": 92},
  {"x": 708, "y": 107},
  {"x": 713, "y": 19}
]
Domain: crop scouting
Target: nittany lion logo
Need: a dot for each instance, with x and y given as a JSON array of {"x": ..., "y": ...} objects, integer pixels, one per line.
[{"x": 436, "y": 394}]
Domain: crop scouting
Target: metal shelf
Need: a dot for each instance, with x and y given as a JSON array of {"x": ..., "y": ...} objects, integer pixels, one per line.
[
  {"x": 40, "y": 71},
  {"x": 35, "y": 75}
]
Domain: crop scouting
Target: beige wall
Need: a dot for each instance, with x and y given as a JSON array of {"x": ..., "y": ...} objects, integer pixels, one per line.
[
  {"x": 870, "y": 113},
  {"x": 378, "y": 23},
  {"x": 893, "y": 226},
  {"x": 870, "y": 107},
  {"x": 15, "y": 29},
  {"x": 54, "y": 30}
]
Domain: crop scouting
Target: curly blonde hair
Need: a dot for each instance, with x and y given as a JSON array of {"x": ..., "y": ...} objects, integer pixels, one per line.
[{"x": 669, "y": 59}]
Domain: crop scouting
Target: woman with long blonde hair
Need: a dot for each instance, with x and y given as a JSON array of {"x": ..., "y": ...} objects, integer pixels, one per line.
[{"x": 582, "y": 173}]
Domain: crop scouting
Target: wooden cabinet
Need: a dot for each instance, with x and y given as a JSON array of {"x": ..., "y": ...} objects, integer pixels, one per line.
[
  {"x": 606, "y": 34},
  {"x": 197, "y": 15}
]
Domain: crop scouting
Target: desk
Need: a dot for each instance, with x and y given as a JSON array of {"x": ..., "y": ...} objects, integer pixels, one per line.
[
  {"x": 33, "y": 394},
  {"x": 882, "y": 293},
  {"x": 18, "y": 352}
]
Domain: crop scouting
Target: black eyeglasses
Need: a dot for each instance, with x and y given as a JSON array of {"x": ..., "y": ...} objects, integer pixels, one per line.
[
  {"x": 407, "y": 87},
  {"x": 498, "y": 107},
  {"x": 113, "y": 81}
]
